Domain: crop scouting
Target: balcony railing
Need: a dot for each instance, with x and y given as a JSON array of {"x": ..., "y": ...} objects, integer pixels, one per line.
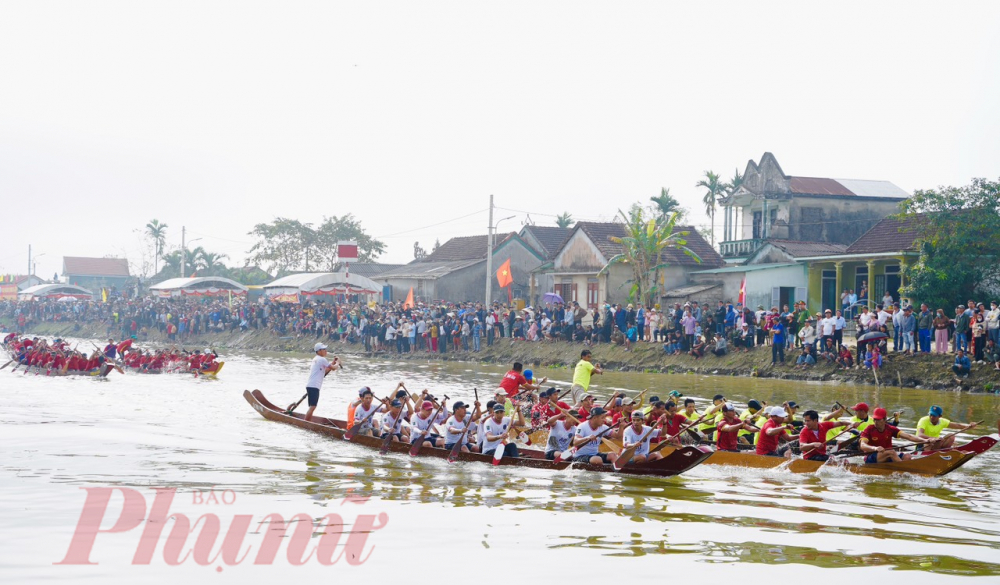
[{"x": 739, "y": 248}]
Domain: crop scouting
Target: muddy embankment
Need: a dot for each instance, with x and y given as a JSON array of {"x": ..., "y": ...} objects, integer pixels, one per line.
[{"x": 923, "y": 371}]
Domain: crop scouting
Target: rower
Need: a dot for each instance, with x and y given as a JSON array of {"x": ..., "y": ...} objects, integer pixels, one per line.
[
  {"x": 672, "y": 422},
  {"x": 930, "y": 427},
  {"x": 729, "y": 428},
  {"x": 424, "y": 421},
  {"x": 514, "y": 381},
  {"x": 457, "y": 423},
  {"x": 110, "y": 349},
  {"x": 495, "y": 432},
  {"x": 813, "y": 437},
  {"x": 653, "y": 400},
  {"x": 748, "y": 415},
  {"x": 659, "y": 408},
  {"x": 773, "y": 433},
  {"x": 562, "y": 428},
  {"x": 318, "y": 370},
  {"x": 876, "y": 440},
  {"x": 588, "y": 434},
  {"x": 708, "y": 427},
  {"x": 365, "y": 406},
  {"x": 791, "y": 407},
  {"x": 392, "y": 423},
  {"x": 585, "y": 406},
  {"x": 636, "y": 431}
]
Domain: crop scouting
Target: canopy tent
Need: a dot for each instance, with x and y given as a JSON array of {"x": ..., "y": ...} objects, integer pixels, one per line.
[
  {"x": 202, "y": 286},
  {"x": 55, "y": 291},
  {"x": 320, "y": 283}
]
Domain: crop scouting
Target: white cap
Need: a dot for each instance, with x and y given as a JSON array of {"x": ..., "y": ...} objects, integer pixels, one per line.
[
  {"x": 778, "y": 411},
  {"x": 319, "y": 346}
]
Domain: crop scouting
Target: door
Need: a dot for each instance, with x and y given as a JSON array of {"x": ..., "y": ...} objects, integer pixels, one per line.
[{"x": 830, "y": 298}]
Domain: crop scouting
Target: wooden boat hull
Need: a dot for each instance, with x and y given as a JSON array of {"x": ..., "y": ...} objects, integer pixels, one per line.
[
  {"x": 679, "y": 461},
  {"x": 210, "y": 373},
  {"x": 935, "y": 464},
  {"x": 101, "y": 372}
]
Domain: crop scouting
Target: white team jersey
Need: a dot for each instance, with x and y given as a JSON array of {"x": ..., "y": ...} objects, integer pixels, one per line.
[
  {"x": 492, "y": 427},
  {"x": 630, "y": 437},
  {"x": 389, "y": 423},
  {"x": 419, "y": 425},
  {"x": 560, "y": 437},
  {"x": 360, "y": 412},
  {"x": 585, "y": 430},
  {"x": 451, "y": 436}
]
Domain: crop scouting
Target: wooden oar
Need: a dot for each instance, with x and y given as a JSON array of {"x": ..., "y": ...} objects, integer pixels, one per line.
[
  {"x": 626, "y": 455},
  {"x": 3, "y": 367},
  {"x": 613, "y": 396},
  {"x": 939, "y": 439},
  {"x": 292, "y": 407},
  {"x": 457, "y": 447},
  {"x": 357, "y": 426},
  {"x": 573, "y": 450},
  {"x": 387, "y": 439},
  {"x": 417, "y": 442}
]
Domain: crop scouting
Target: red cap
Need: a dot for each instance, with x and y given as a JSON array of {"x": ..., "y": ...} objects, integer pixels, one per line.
[
  {"x": 879, "y": 414},
  {"x": 427, "y": 405},
  {"x": 861, "y": 406}
]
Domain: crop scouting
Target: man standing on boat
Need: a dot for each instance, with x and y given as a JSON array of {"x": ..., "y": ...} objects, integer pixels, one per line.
[
  {"x": 581, "y": 375},
  {"x": 318, "y": 370},
  {"x": 930, "y": 427},
  {"x": 876, "y": 440}
]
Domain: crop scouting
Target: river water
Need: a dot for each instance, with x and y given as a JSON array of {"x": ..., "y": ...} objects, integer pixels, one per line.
[{"x": 199, "y": 436}]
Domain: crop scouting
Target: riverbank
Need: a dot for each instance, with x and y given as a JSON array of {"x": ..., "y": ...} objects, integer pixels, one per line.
[{"x": 922, "y": 371}]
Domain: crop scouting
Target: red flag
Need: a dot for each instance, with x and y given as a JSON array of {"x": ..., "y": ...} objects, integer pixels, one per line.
[
  {"x": 743, "y": 292},
  {"x": 408, "y": 304},
  {"x": 503, "y": 274}
]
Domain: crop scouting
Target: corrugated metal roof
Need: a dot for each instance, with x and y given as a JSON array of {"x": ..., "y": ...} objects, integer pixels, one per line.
[
  {"x": 427, "y": 270},
  {"x": 866, "y": 188},
  {"x": 750, "y": 268}
]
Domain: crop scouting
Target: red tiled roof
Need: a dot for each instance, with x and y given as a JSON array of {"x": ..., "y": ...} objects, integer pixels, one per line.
[
  {"x": 551, "y": 238},
  {"x": 464, "y": 248},
  {"x": 78, "y": 266},
  {"x": 888, "y": 235},
  {"x": 817, "y": 186}
]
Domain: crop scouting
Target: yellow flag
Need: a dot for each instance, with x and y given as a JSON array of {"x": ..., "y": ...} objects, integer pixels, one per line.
[{"x": 104, "y": 295}]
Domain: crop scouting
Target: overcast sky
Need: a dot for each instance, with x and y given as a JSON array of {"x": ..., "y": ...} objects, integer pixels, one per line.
[{"x": 218, "y": 116}]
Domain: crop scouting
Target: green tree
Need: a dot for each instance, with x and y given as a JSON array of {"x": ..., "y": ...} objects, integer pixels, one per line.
[
  {"x": 564, "y": 220},
  {"x": 157, "y": 232},
  {"x": 957, "y": 231},
  {"x": 210, "y": 263},
  {"x": 344, "y": 228},
  {"x": 666, "y": 204},
  {"x": 734, "y": 183},
  {"x": 288, "y": 245},
  {"x": 643, "y": 245},
  {"x": 714, "y": 186}
]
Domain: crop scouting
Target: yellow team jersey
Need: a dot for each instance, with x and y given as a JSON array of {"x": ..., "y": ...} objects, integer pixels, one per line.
[
  {"x": 744, "y": 416},
  {"x": 930, "y": 430},
  {"x": 864, "y": 425}
]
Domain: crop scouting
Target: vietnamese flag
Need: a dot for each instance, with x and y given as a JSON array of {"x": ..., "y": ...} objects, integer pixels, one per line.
[
  {"x": 743, "y": 292},
  {"x": 503, "y": 274}
]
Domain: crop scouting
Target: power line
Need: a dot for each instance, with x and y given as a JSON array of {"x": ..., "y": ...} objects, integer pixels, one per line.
[{"x": 431, "y": 225}]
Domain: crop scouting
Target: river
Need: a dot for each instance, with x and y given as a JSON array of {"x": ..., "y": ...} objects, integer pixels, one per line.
[{"x": 199, "y": 436}]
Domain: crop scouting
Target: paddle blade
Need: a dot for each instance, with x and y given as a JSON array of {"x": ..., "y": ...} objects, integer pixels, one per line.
[
  {"x": 455, "y": 450},
  {"x": 625, "y": 457},
  {"x": 352, "y": 431},
  {"x": 498, "y": 453},
  {"x": 416, "y": 447}
]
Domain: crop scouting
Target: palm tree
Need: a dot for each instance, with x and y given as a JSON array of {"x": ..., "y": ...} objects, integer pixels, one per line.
[
  {"x": 710, "y": 182},
  {"x": 210, "y": 263},
  {"x": 642, "y": 249},
  {"x": 192, "y": 259},
  {"x": 158, "y": 232},
  {"x": 734, "y": 183},
  {"x": 666, "y": 204},
  {"x": 565, "y": 220}
]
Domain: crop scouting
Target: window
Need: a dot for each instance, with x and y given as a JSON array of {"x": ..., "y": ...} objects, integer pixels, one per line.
[
  {"x": 592, "y": 288},
  {"x": 892, "y": 269}
]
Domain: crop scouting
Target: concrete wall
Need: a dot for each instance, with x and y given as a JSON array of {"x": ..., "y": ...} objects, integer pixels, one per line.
[
  {"x": 760, "y": 284},
  {"x": 836, "y": 220}
]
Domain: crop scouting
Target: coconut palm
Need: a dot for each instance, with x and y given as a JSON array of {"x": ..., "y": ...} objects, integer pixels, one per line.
[
  {"x": 710, "y": 182},
  {"x": 210, "y": 263},
  {"x": 565, "y": 220},
  {"x": 734, "y": 183},
  {"x": 158, "y": 233},
  {"x": 643, "y": 245},
  {"x": 666, "y": 204}
]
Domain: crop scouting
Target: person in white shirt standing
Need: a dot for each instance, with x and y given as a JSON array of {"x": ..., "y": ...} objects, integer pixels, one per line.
[
  {"x": 318, "y": 370},
  {"x": 826, "y": 327}
]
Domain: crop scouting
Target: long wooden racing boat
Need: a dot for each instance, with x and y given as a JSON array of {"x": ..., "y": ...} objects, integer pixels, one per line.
[
  {"x": 933, "y": 464},
  {"x": 217, "y": 367},
  {"x": 99, "y": 372},
  {"x": 676, "y": 462}
]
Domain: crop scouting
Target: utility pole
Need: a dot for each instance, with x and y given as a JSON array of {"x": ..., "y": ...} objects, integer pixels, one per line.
[
  {"x": 489, "y": 255},
  {"x": 183, "y": 250},
  {"x": 29, "y": 255}
]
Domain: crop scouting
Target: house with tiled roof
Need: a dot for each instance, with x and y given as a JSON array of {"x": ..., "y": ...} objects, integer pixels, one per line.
[
  {"x": 771, "y": 205},
  {"x": 547, "y": 239},
  {"x": 96, "y": 273},
  {"x": 456, "y": 271},
  {"x": 575, "y": 270}
]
